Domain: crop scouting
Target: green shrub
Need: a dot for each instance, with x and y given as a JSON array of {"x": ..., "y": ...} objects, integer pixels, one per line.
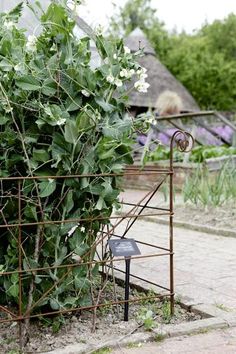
[{"x": 58, "y": 117}]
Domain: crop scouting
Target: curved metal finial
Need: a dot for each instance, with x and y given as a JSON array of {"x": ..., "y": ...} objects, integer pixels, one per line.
[{"x": 184, "y": 142}]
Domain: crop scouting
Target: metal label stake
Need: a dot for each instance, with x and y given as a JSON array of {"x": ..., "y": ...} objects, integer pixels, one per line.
[{"x": 127, "y": 248}]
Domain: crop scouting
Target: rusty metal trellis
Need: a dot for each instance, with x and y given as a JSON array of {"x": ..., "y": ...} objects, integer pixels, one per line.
[{"x": 184, "y": 142}]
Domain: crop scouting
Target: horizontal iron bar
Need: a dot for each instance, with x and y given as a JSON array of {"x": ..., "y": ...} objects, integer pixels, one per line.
[
  {"x": 52, "y": 313},
  {"x": 31, "y": 270},
  {"x": 49, "y": 222},
  {"x": 138, "y": 173},
  {"x": 146, "y": 281}
]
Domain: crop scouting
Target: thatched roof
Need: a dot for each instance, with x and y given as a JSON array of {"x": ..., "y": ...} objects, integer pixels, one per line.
[{"x": 159, "y": 77}]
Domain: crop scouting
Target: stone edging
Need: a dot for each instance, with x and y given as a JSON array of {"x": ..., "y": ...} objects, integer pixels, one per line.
[
  {"x": 195, "y": 227},
  {"x": 165, "y": 331},
  {"x": 189, "y": 226},
  {"x": 215, "y": 318}
]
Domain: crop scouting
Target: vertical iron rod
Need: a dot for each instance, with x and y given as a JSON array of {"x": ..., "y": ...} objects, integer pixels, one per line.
[
  {"x": 127, "y": 276},
  {"x": 172, "y": 299},
  {"x": 20, "y": 265}
]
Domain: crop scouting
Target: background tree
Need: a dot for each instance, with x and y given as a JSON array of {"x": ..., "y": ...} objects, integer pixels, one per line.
[
  {"x": 221, "y": 36},
  {"x": 139, "y": 13},
  {"x": 208, "y": 74}
]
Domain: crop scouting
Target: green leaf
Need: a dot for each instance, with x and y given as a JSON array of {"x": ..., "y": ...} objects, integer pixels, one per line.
[
  {"x": 37, "y": 279},
  {"x": 49, "y": 87},
  {"x": 69, "y": 203},
  {"x": 47, "y": 187},
  {"x": 71, "y": 132},
  {"x": 62, "y": 255},
  {"x": 107, "y": 107},
  {"x": 73, "y": 105},
  {"x": 5, "y": 65},
  {"x": 81, "y": 283},
  {"x": 70, "y": 300},
  {"x": 84, "y": 122},
  {"x": 28, "y": 83},
  {"x": 30, "y": 263},
  {"x": 81, "y": 250},
  {"x": 13, "y": 290},
  {"x": 3, "y": 120},
  {"x": 117, "y": 167},
  {"x": 54, "y": 304},
  {"x": 107, "y": 154},
  {"x": 15, "y": 13},
  {"x": 40, "y": 155},
  {"x": 30, "y": 212},
  {"x": 100, "y": 204},
  {"x": 14, "y": 278}
]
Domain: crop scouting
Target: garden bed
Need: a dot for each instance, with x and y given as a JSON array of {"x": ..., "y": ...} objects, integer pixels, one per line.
[
  {"x": 221, "y": 217},
  {"x": 53, "y": 333}
]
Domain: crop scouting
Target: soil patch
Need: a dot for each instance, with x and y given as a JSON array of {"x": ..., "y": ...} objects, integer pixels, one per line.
[
  {"x": 58, "y": 332},
  {"x": 223, "y": 217}
]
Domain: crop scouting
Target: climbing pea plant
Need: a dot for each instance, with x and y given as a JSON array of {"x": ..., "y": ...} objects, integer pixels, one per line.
[{"x": 59, "y": 116}]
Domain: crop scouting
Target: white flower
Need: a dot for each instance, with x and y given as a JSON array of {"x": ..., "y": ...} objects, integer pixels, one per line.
[
  {"x": 114, "y": 56},
  {"x": 143, "y": 76},
  {"x": 85, "y": 93},
  {"x": 61, "y": 121},
  {"x": 152, "y": 120},
  {"x": 72, "y": 230},
  {"x": 118, "y": 82},
  {"x": 99, "y": 30},
  {"x": 31, "y": 43},
  {"x": 141, "y": 86},
  {"x": 127, "y": 73},
  {"x": 8, "y": 25},
  {"x": 73, "y": 6},
  {"x": 141, "y": 71},
  {"x": 82, "y": 229},
  {"x": 50, "y": 180},
  {"x": 124, "y": 73},
  {"x": 110, "y": 78},
  {"x": 132, "y": 72},
  {"x": 53, "y": 48},
  {"x": 126, "y": 50}
]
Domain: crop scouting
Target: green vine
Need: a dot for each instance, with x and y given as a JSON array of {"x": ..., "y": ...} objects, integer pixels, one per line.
[{"x": 58, "y": 117}]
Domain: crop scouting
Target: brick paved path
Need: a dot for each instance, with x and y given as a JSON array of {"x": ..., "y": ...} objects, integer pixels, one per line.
[{"x": 205, "y": 265}]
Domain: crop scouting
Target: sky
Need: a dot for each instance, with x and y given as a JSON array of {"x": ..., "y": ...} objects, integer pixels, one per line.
[{"x": 186, "y": 15}]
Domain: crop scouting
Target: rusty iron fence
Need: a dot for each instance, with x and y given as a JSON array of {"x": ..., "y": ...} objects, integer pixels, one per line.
[{"x": 118, "y": 227}]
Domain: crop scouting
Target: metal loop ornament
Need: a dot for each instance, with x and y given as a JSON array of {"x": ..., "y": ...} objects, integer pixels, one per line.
[{"x": 184, "y": 142}]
